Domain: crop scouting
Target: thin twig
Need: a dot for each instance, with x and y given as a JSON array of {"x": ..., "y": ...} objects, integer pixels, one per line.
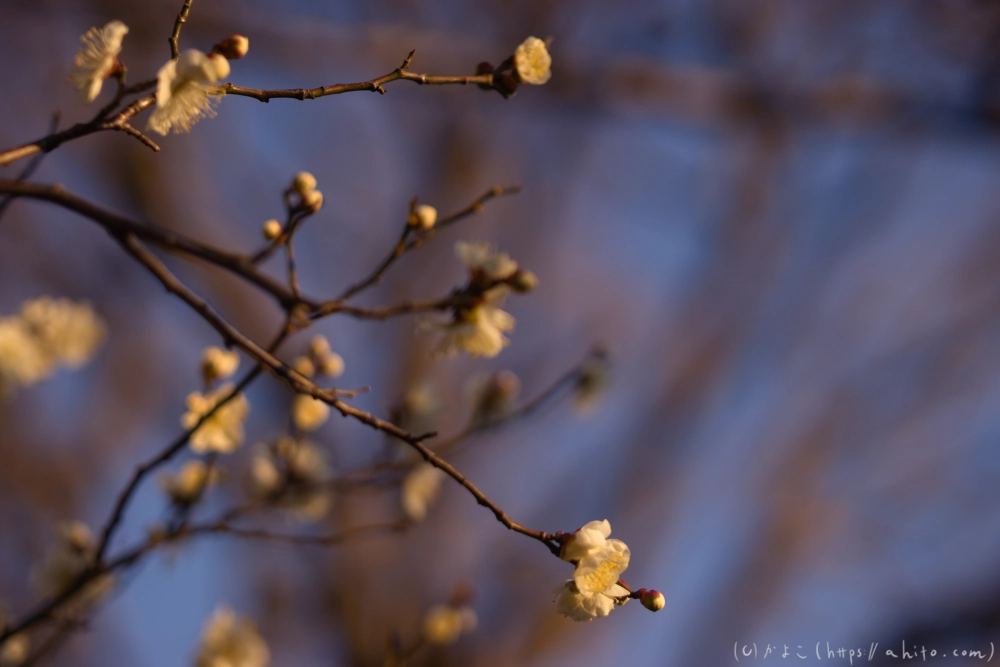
[
  {"x": 224, "y": 528},
  {"x": 182, "y": 17},
  {"x": 402, "y": 247},
  {"x": 375, "y": 85}
]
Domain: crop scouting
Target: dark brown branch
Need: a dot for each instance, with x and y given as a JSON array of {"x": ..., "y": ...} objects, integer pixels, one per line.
[
  {"x": 53, "y": 141},
  {"x": 163, "y": 238},
  {"x": 471, "y": 209},
  {"x": 375, "y": 85},
  {"x": 32, "y": 166},
  {"x": 182, "y": 18}
]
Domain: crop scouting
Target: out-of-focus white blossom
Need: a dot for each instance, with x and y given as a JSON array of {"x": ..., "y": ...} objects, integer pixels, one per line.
[
  {"x": 223, "y": 431},
  {"x": 230, "y": 641},
  {"x": 46, "y": 333},
  {"x": 493, "y": 396},
  {"x": 23, "y": 361},
  {"x": 72, "y": 555},
  {"x": 327, "y": 362},
  {"x": 293, "y": 474},
  {"x": 444, "y": 624},
  {"x": 70, "y": 332},
  {"x": 484, "y": 261},
  {"x": 190, "y": 482},
  {"x": 305, "y": 366},
  {"x": 479, "y": 331},
  {"x": 419, "y": 488},
  {"x": 218, "y": 364},
  {"x": 533, "y": 62},
  {"x": 97, "y": 59},
  {"x": 425, "y": 216},
  {"x": 309, "y": 413},
  {"x": 185, "y": 92}
]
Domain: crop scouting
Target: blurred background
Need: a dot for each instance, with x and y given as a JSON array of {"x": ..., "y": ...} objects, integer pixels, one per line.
[{"x": 779, "y": 216}]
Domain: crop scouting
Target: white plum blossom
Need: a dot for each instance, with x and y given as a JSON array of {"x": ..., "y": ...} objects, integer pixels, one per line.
[
  {"x": 309, "y": 413},
  {"x": 73, "y": 554},
  {"x": 479, "y": 331},
  {"x": 230, "y": 641},
  {"x": 190, "y": 482},
  {"x": 483, "y": 260},
  {"x": 533, "y": 62},
  {"x": 23, "y": 362},
  {"x": 97, "y": 59},
  {"x": 444, "y": 624},
  {"x": 185, "y": 92},
  {"x": 46, "y": 334},
  {"x": 419, "y": 488},
  {"x": 223, "y": 431},
  {"x": 218, "y": 363},
  {"x": 594, "y": 590},
  {"x": 580, "y": 607},
  {"x": 295, "y": 475},
  {"x": 70, "y": 332}
]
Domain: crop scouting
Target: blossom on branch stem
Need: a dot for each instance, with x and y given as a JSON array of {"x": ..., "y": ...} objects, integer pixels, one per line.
[
  {"x": 424, "y": 217},
  {"x": 478, "y": 330},
  {"x": 184, "y": 91},
  {"x": 484, "y": 262},
  {"x": 97, "y": 59},
  {"x": 532, "y": 61},
  {"x": 218, "y": 364},
  {"x": 309, "y": 413},
  {"x": 230, "y": 641},
  {"x": 223, "y": 431},
  {"x": 594, "y": 590},
  {"x": 189, "y": 483}
]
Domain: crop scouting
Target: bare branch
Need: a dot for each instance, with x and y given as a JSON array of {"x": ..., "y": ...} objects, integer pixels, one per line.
[{"x": 182, "y": 18}]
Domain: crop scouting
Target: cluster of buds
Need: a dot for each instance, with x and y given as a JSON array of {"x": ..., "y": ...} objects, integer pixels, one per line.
[
  {"x": 531, "y": 64},
  {"x": 307, "y": 197},
  {"x": 233, "y": 47}
]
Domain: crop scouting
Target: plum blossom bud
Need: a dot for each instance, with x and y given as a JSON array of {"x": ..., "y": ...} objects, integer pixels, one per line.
[
  {"x": 304, "y": 183},
  {"x": 233, "y": 47},
  {"x": 523, "y": 281},
  {"x": 651, "y": 599},
  {"x": 319, "y": 346},
  {"x": 424, "y": 217},
  {"x": 272, "y": 230},
  {"x": 332, "y": 365},
  {"x": 305, "y": 366},
  {"x": 313, "y": 200}
]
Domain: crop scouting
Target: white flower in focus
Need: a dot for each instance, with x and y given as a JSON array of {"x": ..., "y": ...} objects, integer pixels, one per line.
[
  {"x": 97, "y": 58},
  {"x": 479, "y": 330},
  {"x": 533, "y": 62},
  {"x": 223, "y": 431},
  {"x": 70, "y": 332},
  {"x": 23, "y": 362},
  {"x": 190, "y": 482},
  {"x": 425, "y": 217},
  {"x": 218, "y": 364},
  {"x": 230, "y": 641},
  {"x": 419, "y": 488},
  {"x": 600, "y": 569},
  {"x": 444, "y": 624},
  {"x": 591, "y": 537},
  {"x": 483, "y": 260},
  {"x": 74, "y": 552},
  {"x": 586, "y": 607},
  {"x": 184, "y": 91},
  {"x": 309, "y": 413}
]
